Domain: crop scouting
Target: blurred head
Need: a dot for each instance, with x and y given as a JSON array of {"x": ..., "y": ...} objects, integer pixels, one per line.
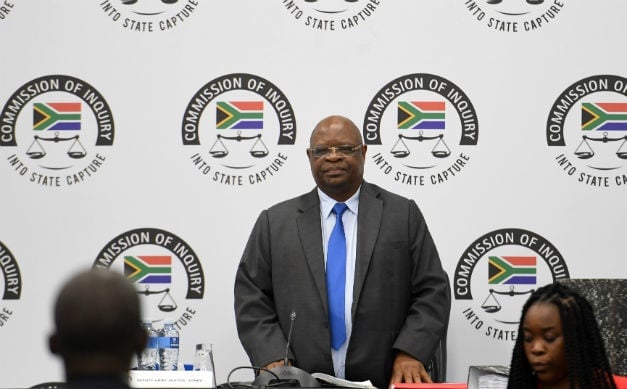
[
  {"x": 337, "y": 156},
  {"x": 97, "y": 323},
  {"x": 559, "y": 343}
]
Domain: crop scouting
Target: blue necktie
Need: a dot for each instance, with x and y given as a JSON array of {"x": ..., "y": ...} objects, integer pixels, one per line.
[{"x": 336, "y": 278}]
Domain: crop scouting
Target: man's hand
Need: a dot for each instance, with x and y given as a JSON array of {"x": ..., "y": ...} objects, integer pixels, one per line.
[
  {"x": 408, "y": 369},
  {"x": 274, "y": 364}
]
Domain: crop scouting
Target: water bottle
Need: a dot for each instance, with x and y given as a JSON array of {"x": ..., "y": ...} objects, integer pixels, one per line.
[
  {"x": 168, "y": 346},
  {"x": 148, "y": 358}
]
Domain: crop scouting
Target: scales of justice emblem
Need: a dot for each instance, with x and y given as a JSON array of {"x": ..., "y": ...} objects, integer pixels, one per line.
[
  {"x": 166, "y": 304},
  {"x": 510, "y": 271},
  {"x": 239, "y": 126},
  {"x": 604, "y": 118},
  {"x": 155, "y": 270},
  {"x": 439, "y": 150},
  {"x": 425, "y": 117},
  {"x": 57, "y": 118},
  {"x": 220, "y": 150},
  {"x": 37, "y": 151},
  {"x": 128, "y": 2},
  {"x": 492, "y": 305}
]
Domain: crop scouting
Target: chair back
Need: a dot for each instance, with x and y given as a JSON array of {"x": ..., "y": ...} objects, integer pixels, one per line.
[
  {"x": 608, "y": 298},
  {"x": 437, "y": 366}
]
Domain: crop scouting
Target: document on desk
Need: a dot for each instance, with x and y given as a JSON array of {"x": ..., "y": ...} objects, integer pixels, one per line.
[{"x": 329, "y": 379}]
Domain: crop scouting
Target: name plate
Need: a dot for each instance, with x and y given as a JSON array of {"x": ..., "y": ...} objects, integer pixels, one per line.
[{"x": 170, "y": 379}]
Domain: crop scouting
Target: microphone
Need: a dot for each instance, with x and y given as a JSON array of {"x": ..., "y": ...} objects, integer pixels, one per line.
[
  {"x": 289, "y": 337},
  {"x": 289, "y": 376}
]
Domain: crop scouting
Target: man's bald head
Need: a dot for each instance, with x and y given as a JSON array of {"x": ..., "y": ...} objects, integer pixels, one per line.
[{"x": 336, "y": 122}]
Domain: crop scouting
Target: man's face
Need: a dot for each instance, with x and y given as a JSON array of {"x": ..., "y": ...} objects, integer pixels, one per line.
[
  {"x": 337, "y": 173},
  {"x": 544, "y": 343}
]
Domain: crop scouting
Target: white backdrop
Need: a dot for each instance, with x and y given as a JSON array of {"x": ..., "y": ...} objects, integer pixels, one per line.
[{"x": 150, "y": 177}]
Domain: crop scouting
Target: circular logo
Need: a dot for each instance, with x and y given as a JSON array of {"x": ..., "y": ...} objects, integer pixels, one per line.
[
  {"x": 426, "y": 139},
  {"x": 56, "y": 130},
  {"x": 496, "y": 274},
  {"x": 148, "y": 15},
  {"x": 331, "y": 15},
  {"x": 235, "y": 125},
  {"x": 587, "y": 125},
  {"x": 166, "y": 271},
  {"x": 514, "y": 15},
  {"x": 12, "y": 288}
]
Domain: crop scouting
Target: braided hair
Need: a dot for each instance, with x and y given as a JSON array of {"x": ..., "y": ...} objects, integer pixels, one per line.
[{"x": 588, "y": 366}]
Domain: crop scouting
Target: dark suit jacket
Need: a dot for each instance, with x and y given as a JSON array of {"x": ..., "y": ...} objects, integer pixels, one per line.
[{"x": 401, "y": 296}]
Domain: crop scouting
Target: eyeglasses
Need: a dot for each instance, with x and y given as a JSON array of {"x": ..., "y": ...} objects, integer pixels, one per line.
[{"x": 343, "y": 150}]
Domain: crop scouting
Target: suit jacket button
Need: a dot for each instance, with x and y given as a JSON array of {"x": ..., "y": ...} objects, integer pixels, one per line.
[{"x": 326, "y": 324}]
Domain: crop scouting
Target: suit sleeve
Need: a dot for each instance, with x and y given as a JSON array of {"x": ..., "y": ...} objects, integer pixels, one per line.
[
  {"x": 257, "y": 324},
  {"x": 428, "y": 314}
]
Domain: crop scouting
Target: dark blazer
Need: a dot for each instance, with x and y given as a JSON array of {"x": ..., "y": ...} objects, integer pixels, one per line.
[{"x": 401, "y": 296}]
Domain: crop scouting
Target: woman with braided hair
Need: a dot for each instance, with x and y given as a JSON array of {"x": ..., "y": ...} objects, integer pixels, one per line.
[{"x": 559, "y": 345}]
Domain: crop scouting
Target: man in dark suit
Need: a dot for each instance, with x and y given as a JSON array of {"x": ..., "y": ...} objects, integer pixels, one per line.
[
  {"x": 397, "y": 297},
  {"x": 97, "y": 329}
]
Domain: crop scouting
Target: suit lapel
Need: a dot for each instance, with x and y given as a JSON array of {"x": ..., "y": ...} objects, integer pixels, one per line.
[
  {"x": 310, "y": 233},
  {"x": 368, "y": 224}
]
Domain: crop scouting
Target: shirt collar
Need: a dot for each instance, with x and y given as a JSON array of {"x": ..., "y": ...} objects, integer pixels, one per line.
[{"x": 327, "y": 203}]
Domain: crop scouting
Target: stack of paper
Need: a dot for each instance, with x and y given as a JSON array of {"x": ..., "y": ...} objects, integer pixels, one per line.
[
  {"x": 488, "y": 377},
  {"x": 492, "y": 381},
  {"x": 329, "y": 379}
]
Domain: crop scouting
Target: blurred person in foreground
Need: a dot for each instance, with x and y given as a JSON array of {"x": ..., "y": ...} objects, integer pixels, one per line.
[
  {"x": 394, "y": 297},
  {"x": 559, "y": 345},
  {"x": 97, "y": 318}
]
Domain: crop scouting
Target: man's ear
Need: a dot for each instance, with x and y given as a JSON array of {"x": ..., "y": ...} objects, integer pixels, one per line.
[{"x": 53, "y": 344}]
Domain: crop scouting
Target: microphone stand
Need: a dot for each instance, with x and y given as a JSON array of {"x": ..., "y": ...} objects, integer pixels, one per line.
[{"x": 289, "y": 376}]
